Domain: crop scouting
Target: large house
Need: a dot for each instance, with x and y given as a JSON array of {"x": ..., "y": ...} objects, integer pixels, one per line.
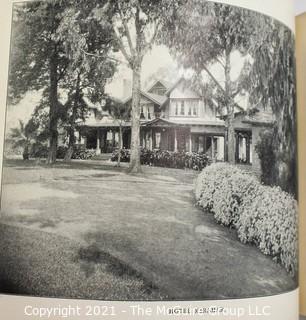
[{"x": 176, "y": 118}]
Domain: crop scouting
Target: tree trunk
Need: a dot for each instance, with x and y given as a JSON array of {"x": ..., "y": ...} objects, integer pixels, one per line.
[
  {"x": 120, "y": 145},
  {"x": 135, "y": 166},
  {"x": 53, "y": 112},
  {"x": 230, "y": 134},
  {"x": 72, "y": 140}
]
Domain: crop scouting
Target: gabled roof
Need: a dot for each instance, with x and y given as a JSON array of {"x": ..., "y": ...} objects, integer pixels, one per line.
[
  {"x": 166, "y": 84},
  {"x": 159, "y": 122},
  {"x": 157, "y": 99},
  {"x": 174, "y": 86}
]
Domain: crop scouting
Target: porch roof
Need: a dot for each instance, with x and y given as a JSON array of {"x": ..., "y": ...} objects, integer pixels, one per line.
[
  {"x": 160, "y": 122},
  {"x": 263, "y": 118}
]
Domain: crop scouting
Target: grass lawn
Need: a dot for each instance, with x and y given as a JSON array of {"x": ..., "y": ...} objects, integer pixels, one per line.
[{"x": 97, "y": 232}]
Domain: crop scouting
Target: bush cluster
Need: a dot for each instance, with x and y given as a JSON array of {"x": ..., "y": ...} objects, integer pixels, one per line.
[
  {"x": 41, "y": 151},
  {"x": 168, "y": 159},
  {"x": 262, "y": 215}
]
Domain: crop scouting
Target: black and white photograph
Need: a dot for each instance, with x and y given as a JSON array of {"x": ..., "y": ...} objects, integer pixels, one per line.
[{"x": 150, "y": 152}]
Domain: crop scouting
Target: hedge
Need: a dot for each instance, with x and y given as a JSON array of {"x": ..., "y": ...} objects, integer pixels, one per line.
[
  {"x": 262, "y": 215},
  {"x": 168, "y": 159},
  {"x": 41, "y": 151}
]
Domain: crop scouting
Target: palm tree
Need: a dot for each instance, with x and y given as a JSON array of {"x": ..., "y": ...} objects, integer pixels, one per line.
[{"x": 23, "y": 137}]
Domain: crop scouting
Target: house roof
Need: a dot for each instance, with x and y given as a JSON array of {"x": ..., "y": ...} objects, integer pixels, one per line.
[
  {"x": 260, "y": 118},
  {"x": 157, "y": 99},
  {"x": 98, "y": 106},
  {"x": 174, "y": 86},
  {"x": 160, "y": 122},
  {"x": 166, "y": 84}
]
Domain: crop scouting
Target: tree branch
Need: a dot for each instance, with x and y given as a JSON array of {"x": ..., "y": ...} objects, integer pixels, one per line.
[
  {"x": 122, "y": 47},
  {"x": 150, "y": 43},
  {"x": 127, "y": 32},
  {"x": 222, "y": 64},
  {"x": 219, "y": 85},
  {"x": 104, "y": 57}
]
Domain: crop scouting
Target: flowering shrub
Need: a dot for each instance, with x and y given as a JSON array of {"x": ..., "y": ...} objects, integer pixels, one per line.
[
  {"x": 262, "y": 215},
  {"x": 169, "y": 159}
]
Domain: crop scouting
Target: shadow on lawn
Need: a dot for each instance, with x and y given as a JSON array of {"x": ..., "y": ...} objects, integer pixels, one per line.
[{"x": 90, "y": 256}]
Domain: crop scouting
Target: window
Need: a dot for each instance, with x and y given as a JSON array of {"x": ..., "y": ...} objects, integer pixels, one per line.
[
  {"x": 176, "y": 108},
  {"x": 195, "y": 109},
  {"x": 157, "y": 140},
  {"x": 141, "y": 113},
  {"x": 149, "y": 114},
  {"x": 190, "y": 108},
  {"x": 182, "y": 108},
  {"x": 243, "y": 147}
]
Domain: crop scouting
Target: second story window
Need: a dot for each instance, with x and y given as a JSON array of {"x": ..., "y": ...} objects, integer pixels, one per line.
[
  {"x": 141, "y": 113},
  {"x": 182, "y": 112},
  {"x": 195, "y": 109},
  {"x": 176, "y": 108},
  {"x": 189, "y": 109}
]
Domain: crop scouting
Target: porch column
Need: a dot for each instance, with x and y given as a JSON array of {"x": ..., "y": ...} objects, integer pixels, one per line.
[
  {"x": 190, "y": 143},
  {"x": 113, "y": 138},
  {"x": 98, "y": 148},
  {"x": 103, "y": 140},
  {"x": 151, "y": 140},
  {"x": 213, "y": 148},
  {"x": 175, "y": 140}
]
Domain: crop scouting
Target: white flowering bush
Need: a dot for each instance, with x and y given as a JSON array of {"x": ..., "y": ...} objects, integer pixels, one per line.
[{"x": 262, "y": 215}]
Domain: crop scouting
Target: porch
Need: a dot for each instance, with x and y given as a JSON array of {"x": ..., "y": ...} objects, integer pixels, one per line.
[{"x": 157, "y": 134}]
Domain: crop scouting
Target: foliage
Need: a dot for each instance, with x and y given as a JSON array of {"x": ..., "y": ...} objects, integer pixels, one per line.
[
  {"x": 265, "y": 149},
  {"x": 24, "y": 136},
  {"x": 272, "y": 84},
  {"x": 204, "y": 37},
  {"x": 262, "y": 215},
  {"x": 55, "y": 43},
  {"x": 40, "y": 150},
  {"x": 168, "y": 159},
  {"x": 136, "y": 26}
]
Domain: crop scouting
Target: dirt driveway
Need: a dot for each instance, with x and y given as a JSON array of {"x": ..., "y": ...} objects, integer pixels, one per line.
[{"x": 149, "y": 222}]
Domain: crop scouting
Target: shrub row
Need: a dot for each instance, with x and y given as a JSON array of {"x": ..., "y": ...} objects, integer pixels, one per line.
[
  {"x": 41, "y": 151},
  {"x": 168, "y": 159},
  {"x": 262, "y": 215}
]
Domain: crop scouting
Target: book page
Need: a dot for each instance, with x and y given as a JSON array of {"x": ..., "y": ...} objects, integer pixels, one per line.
[
  {"x": 149, "y": 160},
  {"x": 301, "y": 65}
]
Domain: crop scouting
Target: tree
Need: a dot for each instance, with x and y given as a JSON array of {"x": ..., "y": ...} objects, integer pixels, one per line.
[
  {"x": 48, "y": 52},
  {"x": 272, "y": 84},
  {"x": 135, "y": 28},
  {"x": 24, "y": 136},
  {"x": 121, "y": 114},
  {"x": 88, "y": 44},
  {"x": 37, "y": 58},
  {"x": 204, "y": 34}
]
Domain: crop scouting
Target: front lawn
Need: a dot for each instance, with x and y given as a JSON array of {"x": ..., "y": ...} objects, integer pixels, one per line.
[{"x": 146, "y": 227}]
